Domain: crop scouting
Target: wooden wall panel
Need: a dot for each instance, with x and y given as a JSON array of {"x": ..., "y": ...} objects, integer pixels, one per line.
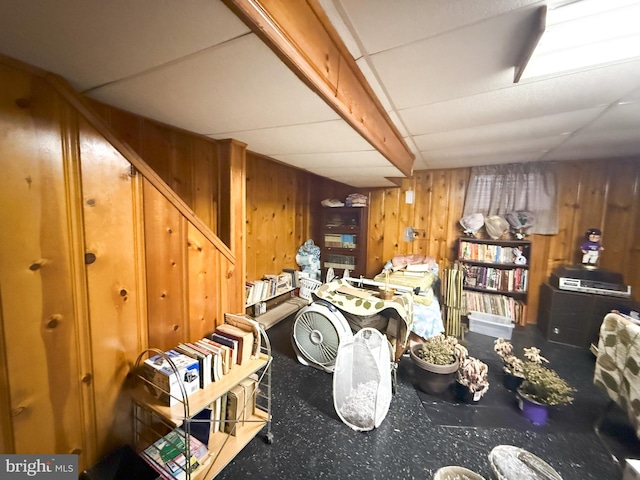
[
  {"x": 187, "y": 162},
  {"x": 203, "y": 284},
  {"x": 603, "y": 194},
  {"x": 37, "y": 273},
  {"x": 113, "y": 233},
  {"x": 277, "y": 216},
  {"x": 166, "y": 238}
]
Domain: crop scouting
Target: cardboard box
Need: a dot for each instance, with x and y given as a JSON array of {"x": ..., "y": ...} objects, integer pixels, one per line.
[
  {"x": 158, "y": 371},
  {"x": 492, "y": 325}
]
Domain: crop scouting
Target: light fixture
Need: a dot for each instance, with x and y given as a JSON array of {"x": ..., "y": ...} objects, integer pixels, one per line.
[{"x": 573, "y": 35}]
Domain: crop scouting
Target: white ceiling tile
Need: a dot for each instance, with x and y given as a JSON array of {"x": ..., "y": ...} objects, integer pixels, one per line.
[
  {"x": 301, "y": 139},
  {"x": 362, "y": 161},
  {"x": 438, "y": 161},
  {"x": 382, "y": 24},
  {"x": 437, "y": 68},
  {"x": 551, "y": 125},
  {"x": 578, "y": 91},
  {"x": 94, "y": 42},
  {"x": 510, "y": 147},
  {"x": 624, "y": 116},
  {"x": 591, "y": 145},
  {"x": 240, "y": 85}
]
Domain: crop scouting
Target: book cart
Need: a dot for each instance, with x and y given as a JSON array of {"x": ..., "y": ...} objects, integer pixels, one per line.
[{"x": 159, "y": 428}]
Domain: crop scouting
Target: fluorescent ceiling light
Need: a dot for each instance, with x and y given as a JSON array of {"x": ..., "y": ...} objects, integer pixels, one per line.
[{"x": 585, "y": 33}]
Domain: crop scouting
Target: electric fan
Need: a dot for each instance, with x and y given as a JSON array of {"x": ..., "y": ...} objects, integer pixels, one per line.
[{"x": 318, "y": 330}]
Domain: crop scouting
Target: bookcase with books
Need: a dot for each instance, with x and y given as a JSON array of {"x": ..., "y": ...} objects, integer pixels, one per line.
[
  {"x": 496, "y": 276},
  {"x": 197, "y": 405},
  {"x": 343, "y": 240}
]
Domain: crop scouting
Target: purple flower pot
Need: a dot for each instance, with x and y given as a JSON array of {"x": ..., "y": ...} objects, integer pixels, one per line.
[{"x": 535, "y": 412}]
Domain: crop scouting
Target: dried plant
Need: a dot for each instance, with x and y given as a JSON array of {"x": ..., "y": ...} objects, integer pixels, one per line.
[
  {"x": 442, "y": 350},
  {"x": 474, "y": 374},
  {"x": 541, "y": 384}
]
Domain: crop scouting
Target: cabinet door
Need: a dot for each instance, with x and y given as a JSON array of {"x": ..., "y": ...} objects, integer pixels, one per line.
[{"x": 565, "y": 316}]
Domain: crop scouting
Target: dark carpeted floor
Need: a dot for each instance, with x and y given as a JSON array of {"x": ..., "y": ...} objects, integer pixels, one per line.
[{"x": 422, "y": 433}]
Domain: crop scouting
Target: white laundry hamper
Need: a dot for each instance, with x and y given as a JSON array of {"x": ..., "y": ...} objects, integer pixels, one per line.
[{"x": 362, "y": 380}]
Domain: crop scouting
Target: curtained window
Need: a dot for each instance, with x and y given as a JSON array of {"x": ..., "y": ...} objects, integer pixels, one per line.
[{"x": 499, "y": 189}]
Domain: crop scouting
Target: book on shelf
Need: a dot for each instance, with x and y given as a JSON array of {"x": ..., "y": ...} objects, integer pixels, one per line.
[
  {"x": 229, "y": 342},
  {"x": 245, "y": 322},
  {"x": 168, "y": 455},
  {"x": 204, "y": 362},
  {"x": 202, "y": 425},
  {"x": 234, "y": 412},
  {"x": 217, "y": 370},
  {"x": 244, "y": 340},
  {"x": 226, "y": 354}
]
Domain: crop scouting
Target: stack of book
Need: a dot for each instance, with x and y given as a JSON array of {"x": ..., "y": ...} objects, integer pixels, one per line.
[{"x": 168, "y": 455}]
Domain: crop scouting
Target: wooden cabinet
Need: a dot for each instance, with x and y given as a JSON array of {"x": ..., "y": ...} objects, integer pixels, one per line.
[
  {"x": 343, "y": 242},
  {"x": 574, "y": 318},
  {"x": 227, "y": 433},
  {"x": 496, "y": 276}
]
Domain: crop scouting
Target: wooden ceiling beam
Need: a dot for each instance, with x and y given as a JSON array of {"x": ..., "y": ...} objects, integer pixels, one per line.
[{"x": 300, "y": 33}]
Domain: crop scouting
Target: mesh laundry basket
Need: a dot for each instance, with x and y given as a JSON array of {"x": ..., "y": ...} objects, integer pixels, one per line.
[
  {"x": 362, "y": 380},
  {"x": 307, "y": 287}
]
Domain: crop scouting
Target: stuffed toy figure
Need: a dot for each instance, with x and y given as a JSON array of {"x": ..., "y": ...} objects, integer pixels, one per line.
[{"x": 591, "y": 247}]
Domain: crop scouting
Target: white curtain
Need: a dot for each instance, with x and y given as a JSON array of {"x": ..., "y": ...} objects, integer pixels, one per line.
[{"x": 499, "y": 189}]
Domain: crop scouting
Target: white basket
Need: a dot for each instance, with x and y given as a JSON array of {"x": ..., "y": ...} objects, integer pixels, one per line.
[{"x": 308, "y": 286}]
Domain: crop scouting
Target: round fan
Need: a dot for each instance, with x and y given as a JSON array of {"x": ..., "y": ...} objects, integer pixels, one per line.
[{"x": 318, "y": 331}]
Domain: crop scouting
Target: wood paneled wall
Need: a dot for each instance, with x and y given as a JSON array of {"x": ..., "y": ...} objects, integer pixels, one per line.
[
  {"x": 600, "y": 193},
  {"x": 187, "y": 163},
  {"x": 99, "y": 258}
]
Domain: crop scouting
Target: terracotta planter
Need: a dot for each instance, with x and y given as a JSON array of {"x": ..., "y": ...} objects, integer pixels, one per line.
[{"x": 431, "y": 378}]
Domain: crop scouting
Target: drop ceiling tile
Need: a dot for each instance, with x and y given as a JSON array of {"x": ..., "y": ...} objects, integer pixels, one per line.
[
  {"x": 592, "y": 145},
  {"x": 92, "y": 42},
  {"x": 512, "y": 146},
  {"x": 240, "y": 85},
  {"x": 363, "y": 161},
  {"x": 329, "y": 136},
  {"x": 437, "y": 160},
  {"x": 624, "y": 116},
  {"x": 578, "y": 91},
  {"x": 547, "y": 126},
  {"x": 382, "y": 25},
  {"x": 454, "y": 64}
]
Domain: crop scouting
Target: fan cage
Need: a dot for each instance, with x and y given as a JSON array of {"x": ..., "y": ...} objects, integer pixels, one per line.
[{"x": 317, "y": 335}]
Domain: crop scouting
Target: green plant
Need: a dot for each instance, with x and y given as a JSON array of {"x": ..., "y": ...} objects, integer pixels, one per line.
[
  {"x": 474, "y": 374},
  {"x": 442, "y": 350}
]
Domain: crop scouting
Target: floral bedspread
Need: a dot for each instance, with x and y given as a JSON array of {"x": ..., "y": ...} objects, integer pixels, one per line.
[
  {"x": 400, "y": 304},
  {"x": 617, "y": 369}
]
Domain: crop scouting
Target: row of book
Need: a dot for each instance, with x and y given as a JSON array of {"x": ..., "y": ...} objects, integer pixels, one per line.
[
  {"x": 502, "y": 305},
  {"x": 482, "y": 252},
  {"x": 506, "y": 280},
  {"x": 229, "y": 414},
  {"x": 340, "y": 240},
  {"x": 168, "y": 455},
  {"x": 267, "y": 287},
  {"x": 196, "y": 365}
]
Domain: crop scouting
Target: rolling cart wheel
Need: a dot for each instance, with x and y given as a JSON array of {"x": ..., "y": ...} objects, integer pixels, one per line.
[{"x": 269, "y": 438}]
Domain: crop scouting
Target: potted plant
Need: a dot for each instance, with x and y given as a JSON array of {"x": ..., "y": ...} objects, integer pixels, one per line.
[
  {"x": 436, "y": 362},
  {"x": 512, "y": 366},
  {"x": 473, "y": 381}
]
